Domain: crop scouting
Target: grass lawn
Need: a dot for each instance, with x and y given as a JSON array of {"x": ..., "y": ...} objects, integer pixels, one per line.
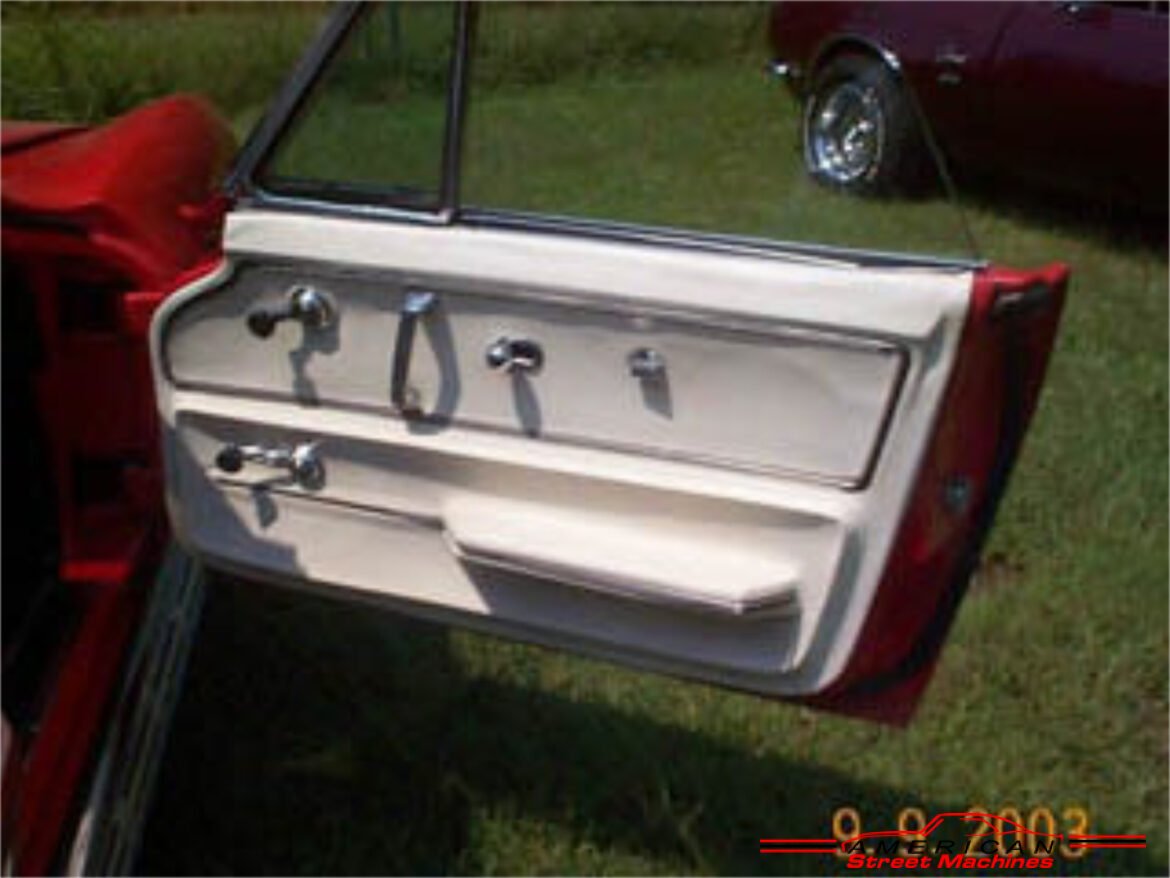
[
  {"x": 61, "y": 62},
  {"x": 319, "y": 737}
]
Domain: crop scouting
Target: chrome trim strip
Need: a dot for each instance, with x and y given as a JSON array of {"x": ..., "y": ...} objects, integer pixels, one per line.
[
  {"x": 707, "y": 241},
  {"x": 603, "y": 230},
  {"x": 263, "y": 199}
]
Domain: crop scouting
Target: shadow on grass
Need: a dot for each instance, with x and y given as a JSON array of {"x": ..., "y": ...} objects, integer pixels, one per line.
[
  {"x": 318, "y": 737},
  {"x": 1106, "y": 222}
]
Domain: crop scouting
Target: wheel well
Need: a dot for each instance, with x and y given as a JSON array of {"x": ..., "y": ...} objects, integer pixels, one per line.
[{"x": 840, "y": 46}]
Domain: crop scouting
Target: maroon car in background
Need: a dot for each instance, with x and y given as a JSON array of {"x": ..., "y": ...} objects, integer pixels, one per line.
[{"x": 1070, "y": 95}]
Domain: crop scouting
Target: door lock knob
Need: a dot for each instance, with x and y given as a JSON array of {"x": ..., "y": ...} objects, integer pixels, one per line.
[
  {"x": 647, "y": 364},
  {"x": 512, "y": 355},
  {"x": 230, "y": 459}
]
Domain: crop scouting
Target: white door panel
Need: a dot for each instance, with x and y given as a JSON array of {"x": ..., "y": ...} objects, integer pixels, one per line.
[{"x": 737, "y": 534}]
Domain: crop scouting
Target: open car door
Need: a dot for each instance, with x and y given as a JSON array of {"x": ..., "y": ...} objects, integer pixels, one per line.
[{"x": 767, "y": 466}]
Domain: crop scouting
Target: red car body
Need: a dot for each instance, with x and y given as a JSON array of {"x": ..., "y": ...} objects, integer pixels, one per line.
[
  {"x": 1072, "y": 94},
  {"x": 97, "y": 224}
]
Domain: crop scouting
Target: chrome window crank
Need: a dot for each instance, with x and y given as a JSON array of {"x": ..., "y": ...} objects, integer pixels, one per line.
[
  {"x": 314, "y": 309},
  {"x": 302, "y": 462}
]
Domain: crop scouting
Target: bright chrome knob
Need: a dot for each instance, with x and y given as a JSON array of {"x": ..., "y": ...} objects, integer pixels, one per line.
[
  {"x": 515, "y": 354},
  {"x": 647, "y": 364}
]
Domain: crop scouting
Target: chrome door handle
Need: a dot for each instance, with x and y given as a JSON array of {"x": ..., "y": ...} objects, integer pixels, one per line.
[
  {"x": 415, "y": 305},
  {"x": 301, "y": 461},
  {"x": 515, "y": 354},
  {"x": 950, "y": 62},
  {"x": 951, "y": 57},
  {"x": 313, "y": 308}
]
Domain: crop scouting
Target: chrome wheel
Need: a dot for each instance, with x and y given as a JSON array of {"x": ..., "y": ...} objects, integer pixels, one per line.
[{"x": 845, "y": 133}]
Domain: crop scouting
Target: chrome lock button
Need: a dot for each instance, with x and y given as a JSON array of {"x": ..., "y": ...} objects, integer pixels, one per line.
[
  {"x": 512, "y": 355},
  {"x": 646, "y": 364}
]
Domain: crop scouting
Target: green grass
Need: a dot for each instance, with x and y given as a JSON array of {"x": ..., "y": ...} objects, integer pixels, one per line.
[
  {"x": 58, "y": 65},
  {"x": 67, "y": 62},
  {"x": 320, "y": 737}
]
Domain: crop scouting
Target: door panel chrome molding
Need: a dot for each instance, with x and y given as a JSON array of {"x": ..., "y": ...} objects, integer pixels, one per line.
[
  {"x": 691, "y": 319},
  {"x": 454, "y": 285}
]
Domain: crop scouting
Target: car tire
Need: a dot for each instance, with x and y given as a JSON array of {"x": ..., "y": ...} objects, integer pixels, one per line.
[{"x": 859, "y": 130}]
